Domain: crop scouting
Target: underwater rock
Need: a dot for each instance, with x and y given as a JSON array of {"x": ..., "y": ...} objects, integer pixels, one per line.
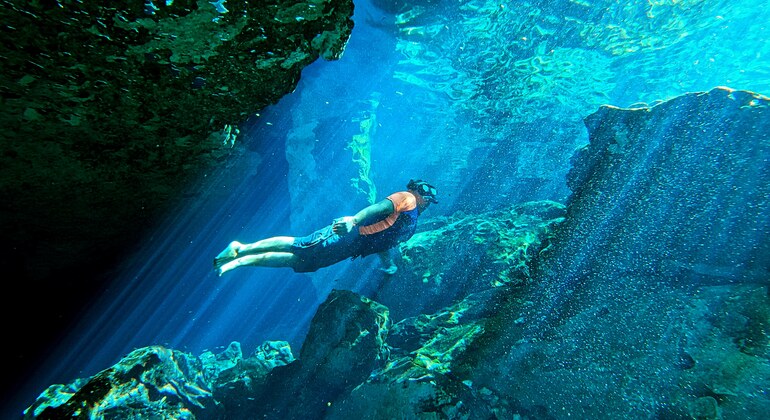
[
  {"x": 352, "y": 363},
  {"x": 157, "y": 382},
  {"x": 352, "y": 329},
  {"x": 149, "y": 381},
  {"x": 653, "y": 292},
  {"x": 682, "y": 187},
  {"x": 435, "y": 399},
  {"x": 487, "y": 250},
  {"x": 426, "y": 345},
  {"x": 345, "y": 343},
  {"x": 418, "y": 380},
  {"x": 238, "y": 378},
  {"x": 109, "y": 110},
  {"x": 730, "y": 347}
]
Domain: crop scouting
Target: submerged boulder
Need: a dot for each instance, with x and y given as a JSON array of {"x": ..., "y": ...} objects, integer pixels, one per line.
[
  {"x": 162, "y": 383},
  {"x": 418, "y": 380},
  {"x": 453, "y": 257},
  {"x": 345, "y": 343},
  {"x": 653, "y": 295}
]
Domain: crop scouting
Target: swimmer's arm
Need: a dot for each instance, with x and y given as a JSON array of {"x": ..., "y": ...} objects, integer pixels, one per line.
[{"x": 376, "y": 211}]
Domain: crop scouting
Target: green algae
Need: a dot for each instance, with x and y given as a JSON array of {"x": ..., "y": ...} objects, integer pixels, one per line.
[
  {"x": 505, "y": 243},
  {"x": 437, "y": 340},
  {"x": 360, "y": 146}
]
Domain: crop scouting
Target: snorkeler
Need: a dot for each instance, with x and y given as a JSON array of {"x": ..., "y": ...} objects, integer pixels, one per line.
[{"x": 375, "y": 229}]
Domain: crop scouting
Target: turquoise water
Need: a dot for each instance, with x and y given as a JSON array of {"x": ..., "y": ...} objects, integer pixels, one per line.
[{"x": 484, "y": 99}]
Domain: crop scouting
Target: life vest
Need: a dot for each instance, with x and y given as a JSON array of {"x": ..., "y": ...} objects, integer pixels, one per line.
[{"x": 401, "y": 230}]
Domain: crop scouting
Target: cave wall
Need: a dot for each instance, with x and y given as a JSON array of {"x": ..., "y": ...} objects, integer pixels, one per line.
[
  {"x": 653, "y": 296},
  {"x": 111, "y": 113}
]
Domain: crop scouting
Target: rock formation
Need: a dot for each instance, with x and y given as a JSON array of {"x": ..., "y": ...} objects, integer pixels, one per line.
[
  {"x": 345, "y": 344},
  {"x": 653, "y": 296},
  {"x": 157, "y": 382},
  {"x": 486, "y": 250},
  {"x": 648, "y": 298},
  {"x": 109, "y": 111},
  {"x": 354, "y": 358}
]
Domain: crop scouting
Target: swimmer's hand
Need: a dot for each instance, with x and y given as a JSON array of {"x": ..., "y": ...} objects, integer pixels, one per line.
[
  {"x": 343, "y": 225},
  {"x": 390, "y": 270}
]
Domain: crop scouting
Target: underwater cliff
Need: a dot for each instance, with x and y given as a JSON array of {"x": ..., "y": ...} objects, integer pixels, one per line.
[
  {"x": 645, "y": 296},
  {"x": 653, "y": 298}
]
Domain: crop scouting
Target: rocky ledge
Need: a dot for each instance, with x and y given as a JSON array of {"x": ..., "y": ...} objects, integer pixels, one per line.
[{"x": 109, "y": 109}]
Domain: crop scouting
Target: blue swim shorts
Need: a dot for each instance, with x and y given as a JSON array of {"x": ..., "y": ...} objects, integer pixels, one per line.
[{"x": 323, "y": 248}]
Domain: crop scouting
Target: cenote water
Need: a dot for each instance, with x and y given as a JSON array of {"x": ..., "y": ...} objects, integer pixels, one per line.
[{"x": 625, "y": 279}]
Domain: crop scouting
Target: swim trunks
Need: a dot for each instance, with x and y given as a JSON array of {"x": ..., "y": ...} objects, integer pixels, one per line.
[{"x": 323, "y": 248}]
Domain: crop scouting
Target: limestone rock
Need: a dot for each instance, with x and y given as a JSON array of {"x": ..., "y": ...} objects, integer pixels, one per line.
[
  {"x": 450, "y": 258},
  {"x": 666, "y": 225},
  {"x": 235, "y": 379},
  {"x": 345, "y": 343},
  {"x": 418, "y": 379},
  {"x": 162, "y": 383},
  {"x": 110, "y": 110},
  {"x": 151, "y": 380},
  {"x": 346, "y": 327},
  {"x": 107, "y": 110},
  {"x": 687, "y": 177},
  {"x": 349, "y": 365},
  {"x": 353, "y": 362},
  {"x": 730, "y": 349}
]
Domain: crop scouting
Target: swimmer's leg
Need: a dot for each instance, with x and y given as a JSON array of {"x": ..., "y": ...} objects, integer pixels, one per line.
[
  {"x": 265, "y": 259},
  {"x": 236, "y": 249},
  {"x": 274, "y": 244}
]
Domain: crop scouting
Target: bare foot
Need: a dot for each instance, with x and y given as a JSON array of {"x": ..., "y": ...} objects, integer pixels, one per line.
[
  {"x": 224, "y": 268},
  {"x": 228, "y": 254}
]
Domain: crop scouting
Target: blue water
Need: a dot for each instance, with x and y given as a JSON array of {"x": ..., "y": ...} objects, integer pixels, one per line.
[{"x": 471, "y": 106}]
